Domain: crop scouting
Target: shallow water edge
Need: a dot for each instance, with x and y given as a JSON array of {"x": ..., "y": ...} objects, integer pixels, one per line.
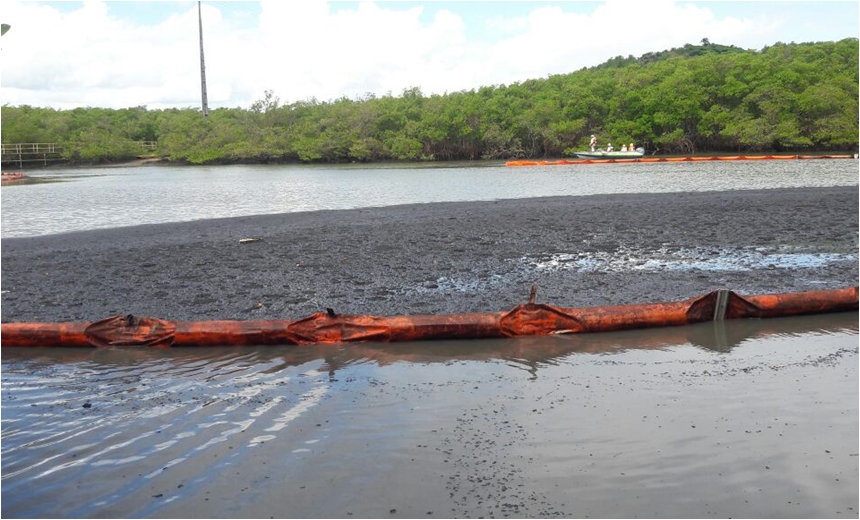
[{"x": 752, "y": 418}]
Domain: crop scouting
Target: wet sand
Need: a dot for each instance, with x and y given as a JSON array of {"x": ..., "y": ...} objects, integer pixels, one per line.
[{"x": 441, "y": 258}]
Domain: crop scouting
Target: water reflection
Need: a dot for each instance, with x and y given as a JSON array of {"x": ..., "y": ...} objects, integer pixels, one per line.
[
  {"x": 26, "y": 181},
  {"x": 537, "y": 351},
  {"x": 533, "y": 351}
]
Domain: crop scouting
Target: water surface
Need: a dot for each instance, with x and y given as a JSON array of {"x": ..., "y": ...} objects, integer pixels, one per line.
[
  {"x": 114, "y": 197},
  {"x": 752, "y": 418}
]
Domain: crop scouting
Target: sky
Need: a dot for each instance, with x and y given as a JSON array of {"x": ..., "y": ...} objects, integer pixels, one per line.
[{"x": 125, "y": 54}]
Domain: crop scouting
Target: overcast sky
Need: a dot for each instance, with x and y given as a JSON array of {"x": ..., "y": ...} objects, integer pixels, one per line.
[{"x": 125, "y": 54}]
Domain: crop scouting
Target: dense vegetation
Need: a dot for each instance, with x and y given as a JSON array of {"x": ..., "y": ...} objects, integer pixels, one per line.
[{"x": 699, "y": 98}]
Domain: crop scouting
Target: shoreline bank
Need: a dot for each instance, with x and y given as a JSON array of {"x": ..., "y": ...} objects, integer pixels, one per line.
[
  {"x": 441, "y": 258},
  {"x": 534, "y": 161}
]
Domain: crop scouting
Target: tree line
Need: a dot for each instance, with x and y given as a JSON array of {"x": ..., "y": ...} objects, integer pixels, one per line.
[{"x": 704, "y": 98}]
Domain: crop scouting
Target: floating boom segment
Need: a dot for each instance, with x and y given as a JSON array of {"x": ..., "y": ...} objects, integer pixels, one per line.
[{"x": 528, "y": 319}]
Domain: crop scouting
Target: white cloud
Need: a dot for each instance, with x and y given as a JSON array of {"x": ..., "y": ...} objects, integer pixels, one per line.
[{"x": 301, "y": 49}]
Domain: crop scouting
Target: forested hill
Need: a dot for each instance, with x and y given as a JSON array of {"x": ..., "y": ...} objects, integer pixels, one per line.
[
  {"x": 699, "y": 98},
  {"x": 687, "y": 51}
]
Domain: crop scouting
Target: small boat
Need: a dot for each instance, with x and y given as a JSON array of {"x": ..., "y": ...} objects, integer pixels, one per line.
[
  {"x": 12, "y": 176},
  {"x": 602, "y": 154}
]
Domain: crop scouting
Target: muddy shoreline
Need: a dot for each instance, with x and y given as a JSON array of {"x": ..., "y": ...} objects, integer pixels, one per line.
[{"x": 442, "y": 257}]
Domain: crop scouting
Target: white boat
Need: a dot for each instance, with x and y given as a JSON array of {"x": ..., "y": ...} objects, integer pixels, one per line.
[{"x": 603, "y": 154}]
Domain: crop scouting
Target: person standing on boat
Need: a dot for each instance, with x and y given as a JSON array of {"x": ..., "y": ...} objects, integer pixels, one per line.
[{"x": 593, "y": 143}]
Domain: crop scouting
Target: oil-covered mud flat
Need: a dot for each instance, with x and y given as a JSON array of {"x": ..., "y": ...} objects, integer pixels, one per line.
[
  {"x": 442, "y": 258},
  {"x": 752, "y": 418}
]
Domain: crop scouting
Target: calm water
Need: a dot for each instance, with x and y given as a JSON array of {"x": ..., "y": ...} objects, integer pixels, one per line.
[
  {"x": 755, "y": 419},
  {"x": 114, "y": 197}
]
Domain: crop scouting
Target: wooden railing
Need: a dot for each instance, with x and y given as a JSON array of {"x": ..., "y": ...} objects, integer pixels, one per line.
[
  {"x": 21, "y": 153},
  {"x": 27, "y": 153}
]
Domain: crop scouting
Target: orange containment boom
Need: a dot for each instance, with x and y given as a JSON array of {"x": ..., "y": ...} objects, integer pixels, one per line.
[
  {"x": 529, "y": 319},
  {"x": 679, "y": 159}
]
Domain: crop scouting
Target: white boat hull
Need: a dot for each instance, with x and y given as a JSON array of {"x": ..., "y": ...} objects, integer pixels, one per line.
[{"x": 610, "y": 155}]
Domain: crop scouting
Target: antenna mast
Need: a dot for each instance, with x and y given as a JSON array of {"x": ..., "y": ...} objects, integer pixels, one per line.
[{"x": 202, "y": 65}]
